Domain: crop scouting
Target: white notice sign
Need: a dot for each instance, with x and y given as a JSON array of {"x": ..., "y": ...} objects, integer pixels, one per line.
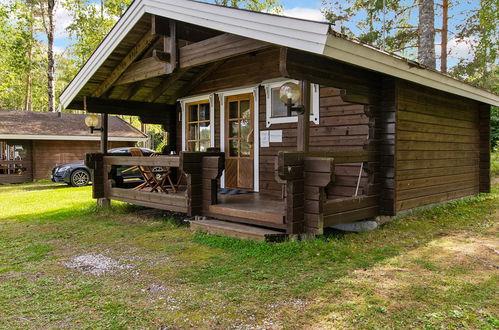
[
  {"x": 276, "y": 136},
  {"x": 264, "y": 139}
]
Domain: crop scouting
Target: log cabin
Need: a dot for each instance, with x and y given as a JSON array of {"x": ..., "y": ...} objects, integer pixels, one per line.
[
  {"x": 375, "y": 135},
  {"x": 32, "y": 143}
]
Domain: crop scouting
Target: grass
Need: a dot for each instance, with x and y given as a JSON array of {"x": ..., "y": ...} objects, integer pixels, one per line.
[
  {"x": 495, "y": 164},
  {"x": 431, "y": 269}
]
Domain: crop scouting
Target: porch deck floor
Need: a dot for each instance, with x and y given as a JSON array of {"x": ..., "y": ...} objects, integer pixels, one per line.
[
  {"x": 256, "y": 206},
  {"x": 253, "y": 202}
]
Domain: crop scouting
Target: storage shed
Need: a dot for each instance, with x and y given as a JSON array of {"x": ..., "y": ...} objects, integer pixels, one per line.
[
  {"x": 32, "y": 143},
  {"x": 379, "y": 134}
]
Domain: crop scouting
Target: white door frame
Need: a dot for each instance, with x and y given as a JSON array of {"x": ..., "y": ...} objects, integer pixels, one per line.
[{"x": 256, "y": 129}]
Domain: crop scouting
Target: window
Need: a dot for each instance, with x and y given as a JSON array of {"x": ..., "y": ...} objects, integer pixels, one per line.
[
  {"x": 277, "y": 113},
  {"x": 198, "y": 126},
  {"x": 13, "y": 156}
]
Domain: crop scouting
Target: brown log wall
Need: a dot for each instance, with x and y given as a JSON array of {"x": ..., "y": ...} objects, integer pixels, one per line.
[
  {"x": 437, "y": 147},
  {"x": 343, "y": 126}
]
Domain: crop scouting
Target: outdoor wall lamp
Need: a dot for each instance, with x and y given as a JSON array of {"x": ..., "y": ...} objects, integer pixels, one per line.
[
  {"x": 290, "y": 94},
  {"x": 91, "y": 121}
]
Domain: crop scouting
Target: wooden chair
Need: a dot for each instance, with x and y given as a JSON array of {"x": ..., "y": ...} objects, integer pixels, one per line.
[
  {"x": 154, "y": 177},
  {"x": 165, "y": 172}
]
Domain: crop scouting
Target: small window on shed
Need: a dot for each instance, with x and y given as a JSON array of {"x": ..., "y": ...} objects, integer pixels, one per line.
[{"x": 277, "y": 112}]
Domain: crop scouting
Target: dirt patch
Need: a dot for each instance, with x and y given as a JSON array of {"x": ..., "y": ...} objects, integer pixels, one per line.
[{"x": 96, "y": 264}]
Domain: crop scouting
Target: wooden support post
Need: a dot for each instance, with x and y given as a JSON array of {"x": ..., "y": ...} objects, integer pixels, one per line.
[
  {"x": 100, "y": 178},
  {"x": 484, "y": 115},
  {"x": 104, "y": 202},
  {"x": 170, "y": 47},
  {"x": 104, "y": 133},
  {"x": 303, "y": 135}
]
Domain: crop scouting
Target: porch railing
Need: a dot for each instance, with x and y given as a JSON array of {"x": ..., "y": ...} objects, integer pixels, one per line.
[
  {"x": 306, "y": 176},
  {"x": 15, "y": 171},
  {"x": 200, "y": 171}
]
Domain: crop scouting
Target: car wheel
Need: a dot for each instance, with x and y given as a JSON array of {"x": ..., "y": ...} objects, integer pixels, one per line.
[{"x": 80, "y": 178}]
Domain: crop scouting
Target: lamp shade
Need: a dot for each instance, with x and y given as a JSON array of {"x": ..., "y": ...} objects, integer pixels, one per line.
[
  {"x": 290, "y": 93},
  {"x": 91, "y": 120}
]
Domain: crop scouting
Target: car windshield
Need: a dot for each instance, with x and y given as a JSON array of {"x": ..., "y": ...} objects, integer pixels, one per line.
[{"x": 127, "y": 151}]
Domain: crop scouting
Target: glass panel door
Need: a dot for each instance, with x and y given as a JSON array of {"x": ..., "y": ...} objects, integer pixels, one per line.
[{"x": 239, "y": 137}]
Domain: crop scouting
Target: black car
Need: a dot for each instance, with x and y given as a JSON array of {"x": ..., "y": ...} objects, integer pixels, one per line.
[{"x": 76, "y": 174}]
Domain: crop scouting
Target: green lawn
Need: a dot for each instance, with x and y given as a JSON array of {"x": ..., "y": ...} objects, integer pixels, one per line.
[
  {"x": 432, "y": 269},
  {"x": 495, "y": 164}
]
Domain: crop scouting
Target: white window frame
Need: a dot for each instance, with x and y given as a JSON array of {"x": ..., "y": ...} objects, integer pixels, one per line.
[
  {"x": 315, "y": 95},
  {"x": 183, "y": 102}
]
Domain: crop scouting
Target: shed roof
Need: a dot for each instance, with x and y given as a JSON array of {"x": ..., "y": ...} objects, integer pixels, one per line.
[
  {"x": 35, "y": 125},
  {"x": 310, "y": 36}
]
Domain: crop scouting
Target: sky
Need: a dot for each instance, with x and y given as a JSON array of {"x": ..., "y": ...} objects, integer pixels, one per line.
[{"x": 308, "y": 9}]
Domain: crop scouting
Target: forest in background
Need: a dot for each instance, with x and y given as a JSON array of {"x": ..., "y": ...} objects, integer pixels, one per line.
[{"x": 34, "y": 72}]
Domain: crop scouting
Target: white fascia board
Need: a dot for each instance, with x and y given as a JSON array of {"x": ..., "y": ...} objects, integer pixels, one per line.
[
  {"x": 68, "y": 138},
  {"x": 360, "y": 55}
]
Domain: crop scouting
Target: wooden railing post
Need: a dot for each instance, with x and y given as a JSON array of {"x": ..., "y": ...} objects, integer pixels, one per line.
[
  {"x": 213, "y": 167},
  {"x": 199, "y": 180},
  {"x": 290, "y": 168},
  {"x": 95, "y": 162},
  {"x": 319, "y": 173}
]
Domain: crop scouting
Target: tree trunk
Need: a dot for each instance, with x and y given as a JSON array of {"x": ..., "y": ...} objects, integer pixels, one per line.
[
  {"x": 50, "y": 54},
  {"x": 445, "y": 29},
  {"x": 29, "y": 76},
  {"x": 426, "y": 47},
  {"x": 29, "y": 81}
]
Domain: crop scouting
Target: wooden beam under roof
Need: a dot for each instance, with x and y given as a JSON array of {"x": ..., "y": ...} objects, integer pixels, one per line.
[
  {"x": 165, "y": 84},
  {"x": 147, "y": 39},
  {"x": 217, "y": 48},
  {"x": 122, "y": 107},
  {"x": 131, "y": 91},
  {"x": 162, "y": 62},
  {"x": 200, "y": 77},
  {"x": 148, "y": 68}
]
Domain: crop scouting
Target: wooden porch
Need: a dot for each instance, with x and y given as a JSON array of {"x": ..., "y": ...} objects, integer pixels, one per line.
[
  {"x": 304, "y": 208},
  {"x": 15, "y": 161}
]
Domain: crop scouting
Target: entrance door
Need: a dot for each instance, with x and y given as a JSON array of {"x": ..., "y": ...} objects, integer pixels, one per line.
[{"x": 239, "y": 148}]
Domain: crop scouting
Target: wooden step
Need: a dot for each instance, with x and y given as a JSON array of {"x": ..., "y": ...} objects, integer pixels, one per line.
[{"x": 238, "y": 230}]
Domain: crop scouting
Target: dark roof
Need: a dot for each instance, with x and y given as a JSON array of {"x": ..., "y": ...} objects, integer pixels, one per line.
[{"x": 68, "y": 124}]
